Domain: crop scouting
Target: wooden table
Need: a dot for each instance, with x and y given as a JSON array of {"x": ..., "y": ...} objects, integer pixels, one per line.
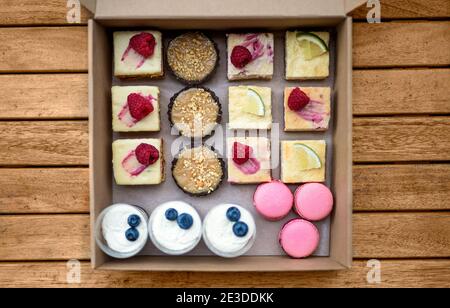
[{"x": 401, "y": 151}]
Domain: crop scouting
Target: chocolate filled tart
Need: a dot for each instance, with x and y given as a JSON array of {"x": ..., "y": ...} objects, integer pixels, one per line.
[
  {"x": 192, "y": 57},
  {"x": 198, "y": 171},
  {"x": 195, "y": 111}
]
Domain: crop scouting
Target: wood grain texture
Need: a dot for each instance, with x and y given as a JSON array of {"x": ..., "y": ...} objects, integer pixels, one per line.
[
  {"x": 44, "y": 96},
  {"x": 37, "y": 12},
  {"x": 48, "y": 190},
  {"x": 396, "y": 91},
  {"x": 43, "y": 49},
  {"x": 385, "y": 235},
  {"x": 408, "y": 9},
  {"x": 44, "y": 143},
  {"x": 401, "y": 187},
  {"x": 409, "y": 43},
  {"x": 401, "y": 139}
]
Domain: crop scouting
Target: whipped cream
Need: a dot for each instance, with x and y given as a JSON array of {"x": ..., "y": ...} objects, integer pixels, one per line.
[
  {"x": 115, "y": 224},
  {"x": 218, "y": 230},
  {"x": 168, "y": 236}
]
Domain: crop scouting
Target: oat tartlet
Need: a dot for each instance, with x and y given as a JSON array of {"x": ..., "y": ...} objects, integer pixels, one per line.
[
  {"x": 192, "y": 57},
  {"x": 195, "y": 112},
  {"x": 198, "y": 171}
]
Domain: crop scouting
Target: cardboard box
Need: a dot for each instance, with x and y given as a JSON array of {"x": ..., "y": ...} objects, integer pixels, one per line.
[{"x": 208, "y": 14}]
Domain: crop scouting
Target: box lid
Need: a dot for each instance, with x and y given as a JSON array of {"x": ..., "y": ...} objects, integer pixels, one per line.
[{"x": 157, "y": 9}]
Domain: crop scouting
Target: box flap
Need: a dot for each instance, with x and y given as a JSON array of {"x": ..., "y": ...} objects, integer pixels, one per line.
[{"x": 157, "y": 9}]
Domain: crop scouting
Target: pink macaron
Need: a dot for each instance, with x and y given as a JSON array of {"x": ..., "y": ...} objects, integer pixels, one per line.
[
  {"x": 299, "y": 238},
  {"x": 313, "y": 201},
  {"x": 273, "y": 200}
]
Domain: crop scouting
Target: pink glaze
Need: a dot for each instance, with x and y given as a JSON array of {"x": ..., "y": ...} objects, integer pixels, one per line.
[
  {"x": 314, "y": 111},
  {"x": 299, "y": 238},
  {"x": 273, "y": 200},
  {"x": 313, "y": 201},
  {"x": 125, "y": 55},
  {"x": 132, "y": 165},
  {"x": 251, "y": 166},
  {"x": 257, "y": 48}
]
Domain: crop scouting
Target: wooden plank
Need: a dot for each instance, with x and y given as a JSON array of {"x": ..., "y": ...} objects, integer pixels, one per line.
[
  {"x": 41, "y": 49},
  {"x": 408, "y": 9},
  {"x": 37, "y": 12},
  {"x": 401, "y": 139},
  {"x": 47, "y": 190},
  {"x": 401, "y": 187},
  {"x": 44, "y": 96},
  {"x": 44, "y": 143},
  {"x": 376, "y": 235},
  {"x": 396, "y": 91},
  {"x": 394, "y": 273},
  {"x": 393, "y": 44}
]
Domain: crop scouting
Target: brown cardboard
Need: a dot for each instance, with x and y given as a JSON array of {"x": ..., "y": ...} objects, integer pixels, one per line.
[{"x": 200, "y": 15}]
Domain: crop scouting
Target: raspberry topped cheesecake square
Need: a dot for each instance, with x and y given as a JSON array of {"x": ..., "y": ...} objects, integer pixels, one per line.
[
  {"x": 138, "y": 161},
  {"x": 138, "y": 54},
  {"x": 248, "y": 160},
  {"x": 303, "y": 161},
  {"x": 250, "y": 56},
  {"x": 307, "y": 55},
  {"x": 250, "y": 107},
  {"x": 135, "y": 109},
  {"x": 306, "y": 108}
]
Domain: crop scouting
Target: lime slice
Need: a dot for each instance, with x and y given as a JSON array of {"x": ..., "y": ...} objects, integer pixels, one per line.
[
  {"x": 254, "y": 103},
  {"x": 311, "y": 45},
  {"x": 308, "y": 158}
]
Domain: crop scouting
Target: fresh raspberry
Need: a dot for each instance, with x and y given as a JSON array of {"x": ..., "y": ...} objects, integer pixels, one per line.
[
  {"x": 240, "y": 56},
  {"x": 146, "y": 154},
  {"x": 144, "y": 44},
  {"x": 139, "y": 106},
  {"x": 297, "y": 100},
  {"x": 241, "y": 153}
]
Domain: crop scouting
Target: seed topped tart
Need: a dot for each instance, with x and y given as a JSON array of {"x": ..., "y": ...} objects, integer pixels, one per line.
[
  {"x": 198, "y": 171},
  {"x": 195, "y": 112},
  {"x": 192, "y": 57}
]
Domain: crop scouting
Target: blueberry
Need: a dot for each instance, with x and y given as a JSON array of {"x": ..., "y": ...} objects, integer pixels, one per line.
[
  {"x": 240, "y": 229},
  {"x": 233, "y": 214},
  {"x": 132, "y": 234},
  {"x": 134, "y": 220},
  {"x": 171, "y": 214},
  {"x": 185, "y": 221}
]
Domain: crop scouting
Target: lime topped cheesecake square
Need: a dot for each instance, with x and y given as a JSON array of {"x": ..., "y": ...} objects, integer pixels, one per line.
[
  {"x": 250, "y": 56},
  {"x": 135, "y": 109},
  {"x": 307, "y": 55},
  {"x": 306, "y": 108},
  {"x": 303, "y": 161},
  {"x": 250, "y": 107},
  {"x": 248, "y": 160},
  {"x": 138, "y": 161},
  {"x": 138, "y": 54}
]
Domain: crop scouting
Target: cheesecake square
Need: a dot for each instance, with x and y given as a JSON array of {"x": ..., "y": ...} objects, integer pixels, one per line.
[
  {"x": 315, "y": 116},
  {"x": 122, "y": 118},
  {"x": 257, "y": 168},
  {"x": 298, "y": 67},
  {"x": 128, "y": 170},
  {"x": 139, "y": 58},
  {"x": 249, "y": 107},
  {"x": 303, "y": 161},
  {"x": 259, "y": 62}
]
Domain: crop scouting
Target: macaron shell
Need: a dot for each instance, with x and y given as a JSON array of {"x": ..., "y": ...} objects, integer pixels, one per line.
[
  {"x": 273, "y": 200},
  {"x": 299, "y": 238},
  {"x": 313, "y": 201}
]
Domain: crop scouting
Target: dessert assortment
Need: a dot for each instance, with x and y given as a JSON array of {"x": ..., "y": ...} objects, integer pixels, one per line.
[{"x": 175, "y": 227}]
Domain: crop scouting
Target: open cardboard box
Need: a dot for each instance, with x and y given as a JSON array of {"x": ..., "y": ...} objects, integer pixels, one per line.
[{"x": 209, "y": 14}]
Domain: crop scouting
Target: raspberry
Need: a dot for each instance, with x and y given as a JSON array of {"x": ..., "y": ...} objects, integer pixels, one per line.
[
  {"x": 240, "y": 56},
  {"x": 139, "y": 106},
  {"x": 144, "y": 44},
  {"x": 297, "y": 100},
  {"x": 146, "y": 154},
  {"x": 241, "y": 153}
]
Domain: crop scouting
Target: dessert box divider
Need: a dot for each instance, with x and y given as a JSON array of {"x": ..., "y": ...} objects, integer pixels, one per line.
[{"x": 199, "y": 14}]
